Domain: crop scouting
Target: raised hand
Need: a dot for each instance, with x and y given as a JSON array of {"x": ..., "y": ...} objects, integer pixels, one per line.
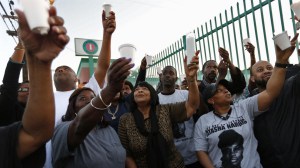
[
  {"x": 109, "y": 23},
  {"x": 250, "y": 48},
  {"x": 44, "y": 47},
  {"x": 222, "y": 68},
  {"x": 282, "y": 56},
  {"x": 224, "y": 54},
  {"x": 192, "y": 68},
  {"x": 117, "y": 73},
  {"x": 143, "y": 63}
]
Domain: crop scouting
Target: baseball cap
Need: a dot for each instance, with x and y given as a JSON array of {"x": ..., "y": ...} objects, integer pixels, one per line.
[{"x": 211, "y": 89}]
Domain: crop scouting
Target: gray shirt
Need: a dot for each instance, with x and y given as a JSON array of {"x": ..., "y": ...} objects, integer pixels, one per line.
[
  {"x": 100, "y": 148},
  {"x": 230, "y": 141},
  {"x": 183, "y": 131}
]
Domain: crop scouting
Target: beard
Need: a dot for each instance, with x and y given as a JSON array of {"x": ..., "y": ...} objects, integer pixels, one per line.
[{"x": 261, "y": 83}]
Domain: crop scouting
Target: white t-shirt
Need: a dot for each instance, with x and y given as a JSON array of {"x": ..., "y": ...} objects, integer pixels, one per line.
[
  {"x": 230, "y": 141},
  {"x": 61, "y": 104},
  {"x": 184, "y": 131}
]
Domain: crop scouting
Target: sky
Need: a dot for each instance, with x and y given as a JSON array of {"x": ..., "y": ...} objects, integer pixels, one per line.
[{"x": 149, "y": 25}]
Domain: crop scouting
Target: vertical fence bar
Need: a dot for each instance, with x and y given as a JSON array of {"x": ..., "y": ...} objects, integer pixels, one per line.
[
  {"x": 208, "y": 41},
  {"x": 235, "y": 43},
  {"x": 199, "y": 41},
  {"x": 174, "y": 56},
  {"x": 167, "y": 56},
  {"x": 255, "y": 28},
  {"x": 223, "y": 38},
  {"x": 241, "y": 34},
  {"x": 271, "y": 16},
  {"x": 281, "y": 15},
  {"x": 204, "y": 43},
  {"x": 182, "y": 53},
  {"x": 246, "y": 18},
  {"x": 216, "y": 24},
  {"x": 164, "y": 61},
  {"x": 295, "y": 31},
  {"x": 264, "y": 30},
  {"x": 228, "y": 33},
  {"x": 178, "y": 56},
  {"x": 212, "y": 39}
]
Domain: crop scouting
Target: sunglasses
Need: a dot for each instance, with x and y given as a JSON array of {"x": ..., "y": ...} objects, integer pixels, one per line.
[{"x": 24, "y": 89}]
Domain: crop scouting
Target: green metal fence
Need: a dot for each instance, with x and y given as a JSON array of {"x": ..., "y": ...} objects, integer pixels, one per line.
[{"x": 257, "y": 20}]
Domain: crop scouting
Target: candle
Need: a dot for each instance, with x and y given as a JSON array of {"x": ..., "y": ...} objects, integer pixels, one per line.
[{"x": 190, "y": 47}]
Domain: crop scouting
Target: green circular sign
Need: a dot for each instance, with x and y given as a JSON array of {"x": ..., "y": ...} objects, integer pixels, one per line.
[{"x": 90, "y": 47}]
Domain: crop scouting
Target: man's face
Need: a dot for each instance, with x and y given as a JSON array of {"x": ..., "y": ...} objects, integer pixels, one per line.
[
  {"x": 126, "y": 90},
  {"x": 261, "y": 73},
  {"x": 23, "y": 93},
  {"x": 233, "y": 154},
  {"x": 211, "y": 70},
  {"x": 169, "y": 76},
  {"x": 64, "y": 73}
]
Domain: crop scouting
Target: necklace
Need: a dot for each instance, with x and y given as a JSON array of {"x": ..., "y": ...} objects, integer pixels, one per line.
[
  {"x": 113, "y": 113},
  {"x": 223, "y": 117}
]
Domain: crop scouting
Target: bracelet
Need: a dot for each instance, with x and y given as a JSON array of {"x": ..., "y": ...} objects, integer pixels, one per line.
[
  {"x": 103, "y": 101},
  {"x": 279, "y": 65},
  {"x": 97, "y": 108},
  {"x": 17, "y": 48}
]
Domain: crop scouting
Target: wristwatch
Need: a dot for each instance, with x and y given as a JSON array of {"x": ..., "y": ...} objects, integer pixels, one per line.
[{"x": 279, "y": 65}]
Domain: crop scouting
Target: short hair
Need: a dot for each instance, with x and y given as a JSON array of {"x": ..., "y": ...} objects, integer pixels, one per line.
[
  {"x": 170, "y": 66},
  {"x": 230, "y": 137},
  {"x": 129, "y": 84},
  {"x": 205, "y": 63},
  {"x": 65, "y": 66}
]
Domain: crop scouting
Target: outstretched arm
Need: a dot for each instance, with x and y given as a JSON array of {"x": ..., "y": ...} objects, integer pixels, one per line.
[
  {"x": 142, "y": 72},
  {"x": 191, "y": 76},
  {"x": 109, "y": 26},
  {"x": 9, "y": 89},
  {"x": 38, "y": 118},
  {"x": 276, "y": 80},
  {"x": 238, "y": 80},
  {"x": 88, "y": 116}
]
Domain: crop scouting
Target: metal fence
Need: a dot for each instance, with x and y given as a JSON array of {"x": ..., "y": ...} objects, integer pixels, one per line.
[{"x": 246, "y": 20}]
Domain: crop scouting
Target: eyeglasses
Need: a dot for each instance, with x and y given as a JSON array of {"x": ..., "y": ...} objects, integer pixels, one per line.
[{"x": 24, "y": 89}]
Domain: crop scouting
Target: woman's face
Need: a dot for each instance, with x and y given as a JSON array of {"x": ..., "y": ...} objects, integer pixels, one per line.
[
  {"x": 83, "y": 99},
  {"x": 142, "y": 95},
  {"x": 222, "y": 95}
]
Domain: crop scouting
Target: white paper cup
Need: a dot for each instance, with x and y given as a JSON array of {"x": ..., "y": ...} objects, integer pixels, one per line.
[
  {"x": 127, "y": 51},
  {"x": 149, "y": 60},
  {"x": 107, "y": 9},
  {"x": 296, "y": 8},
  {"x": 158, "y": 69},
  {"x": 36, "y": 13},
  {"x": 246, "y": 41},
  {"x": 282, "y": 40}
]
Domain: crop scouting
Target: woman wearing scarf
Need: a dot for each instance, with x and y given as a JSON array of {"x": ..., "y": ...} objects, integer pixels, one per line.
[{"x": 146, "y": 132}]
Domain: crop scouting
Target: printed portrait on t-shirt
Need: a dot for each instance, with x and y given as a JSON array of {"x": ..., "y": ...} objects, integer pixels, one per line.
[
  {"x": 231, "y": 146},
  {"x": 178, "y": 130}
]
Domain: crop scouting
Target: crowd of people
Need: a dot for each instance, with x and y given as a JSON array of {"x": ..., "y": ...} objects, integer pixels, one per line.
[{"x": 110, "y": 122}]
